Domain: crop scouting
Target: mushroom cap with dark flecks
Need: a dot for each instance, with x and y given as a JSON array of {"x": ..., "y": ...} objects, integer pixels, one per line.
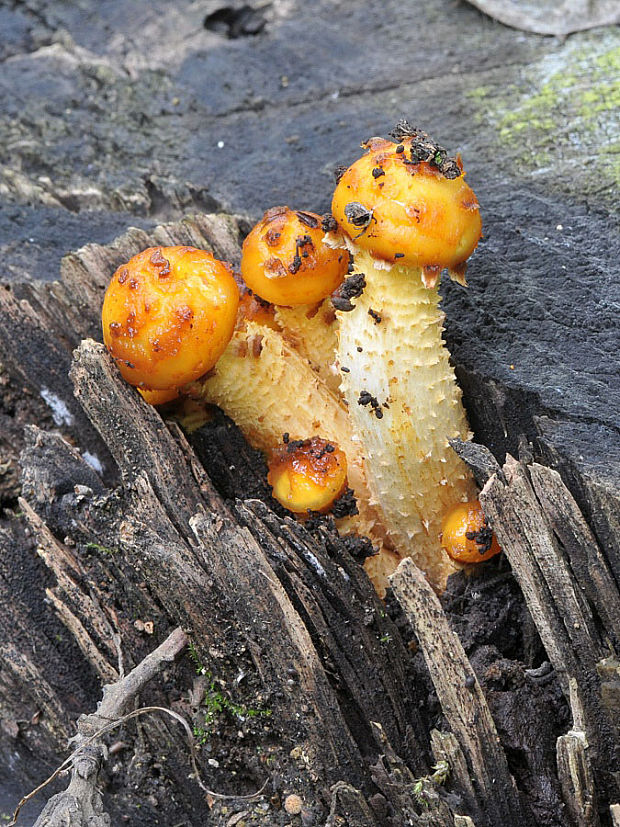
[
  {"x": 307, "y": 474},
  {"x": 286, "y": 262},
  {"x": 408, "y": 203},
  {"x": 168, "y": 315},
  {"x": 466, "y": 535}
]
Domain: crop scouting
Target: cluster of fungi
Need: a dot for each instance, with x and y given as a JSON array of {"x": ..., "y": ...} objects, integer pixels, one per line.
[{"x": 327, "y": 351}]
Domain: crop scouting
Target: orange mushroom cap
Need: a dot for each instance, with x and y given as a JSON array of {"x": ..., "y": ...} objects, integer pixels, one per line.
[
  {"x": 466, "y": 535},
  {"x": 286, "y": 262},
  {"x": 159, "y": 397},
  {"x": 168, "y": 315},
  {"x": 406, "y": 210},
  {"x": 307, "y": 475}
]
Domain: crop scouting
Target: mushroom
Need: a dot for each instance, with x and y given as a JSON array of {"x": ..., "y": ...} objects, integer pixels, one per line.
[
  {"x": 466, "y": 535},
  {"x": 307, "y": 475},
  {"x": 286, "y": 263},
  {"x": 168, "y": 315},
  {"x": 406, "y": 213}
]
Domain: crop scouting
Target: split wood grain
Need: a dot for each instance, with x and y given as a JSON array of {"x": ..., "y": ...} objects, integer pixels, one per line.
[
  {"x": 461, "y": 699},
  {"x": 537, "y": 523}
]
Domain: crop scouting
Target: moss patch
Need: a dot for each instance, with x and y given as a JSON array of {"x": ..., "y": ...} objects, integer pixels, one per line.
[{"x": 563, "y": 112}]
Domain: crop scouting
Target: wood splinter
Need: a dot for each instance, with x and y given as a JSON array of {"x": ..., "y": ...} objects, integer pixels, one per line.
[{"x": 81, "y": 803}]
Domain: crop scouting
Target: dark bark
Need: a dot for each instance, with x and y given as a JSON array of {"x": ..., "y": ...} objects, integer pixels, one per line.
[{"x": 301, "y": 657}]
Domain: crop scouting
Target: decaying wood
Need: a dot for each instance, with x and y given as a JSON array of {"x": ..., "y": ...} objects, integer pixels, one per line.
[
  {"x": 570, "y": 591},
  {"x": 81, "y": 805},
  {"x": 280, "y": 614},
  {"x": 348, "y": 808},
  {"x": 462, "y": 700},
  {"x": 446, "y": 747},
  {"x": 587, "y": 563},
  {"x": 576, "y": 779}
]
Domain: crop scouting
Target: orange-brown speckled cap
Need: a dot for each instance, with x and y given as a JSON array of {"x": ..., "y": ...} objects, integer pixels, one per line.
[{"x": 408, "y": 203}]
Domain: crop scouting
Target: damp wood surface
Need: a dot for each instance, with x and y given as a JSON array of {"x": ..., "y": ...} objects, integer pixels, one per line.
[
  {"x": 283, "y": 622},
  {"x": 135, "y": 114}
]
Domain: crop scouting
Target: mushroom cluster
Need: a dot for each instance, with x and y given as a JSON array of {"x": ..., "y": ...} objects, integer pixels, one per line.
[{"x": 331, "y": 361}]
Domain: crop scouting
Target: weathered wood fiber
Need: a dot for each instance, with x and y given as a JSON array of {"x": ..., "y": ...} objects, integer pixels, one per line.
[
  {"x": 461, "y": 699},
  {"x": 538, "y": 525},
  {"x": 576, "y": 778},
  {"x": 81, "y": 803}
]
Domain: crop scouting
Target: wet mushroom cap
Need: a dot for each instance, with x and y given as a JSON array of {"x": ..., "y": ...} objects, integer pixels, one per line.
[
  {"x": 168, "y": 315},
  {"x": 307, "y": 475},
  {"x": 405, "y": 210},
  {"x": 159, "y": 397},
  {"x": 285, "y": 261},
  {"x": 466, "y": 535}
]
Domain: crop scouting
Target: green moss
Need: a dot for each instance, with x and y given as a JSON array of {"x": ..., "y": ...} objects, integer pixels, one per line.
[
  {"x": 479, "y": 93},
  {"x": 215, "y": 703},
  {"x": 101, "y": 549},
  {"x": 562, "y": 114}
]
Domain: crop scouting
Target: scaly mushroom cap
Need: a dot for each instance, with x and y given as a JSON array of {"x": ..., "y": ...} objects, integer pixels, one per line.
[
  {"x": 286, "y": 262},
  {"x": 168, "y": 315},
  {"x": 307, "y": 474},
  {"x": 466, "y": 535},
  {"x": 402, "y": 209}
]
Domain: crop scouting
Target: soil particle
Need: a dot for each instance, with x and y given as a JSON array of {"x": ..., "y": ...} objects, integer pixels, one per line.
[
  {"x": 351, "y": 288},
  {"x": 345, "y": 505}
]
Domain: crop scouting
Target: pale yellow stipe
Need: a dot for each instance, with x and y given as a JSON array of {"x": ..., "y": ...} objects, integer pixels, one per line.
[
  {"x": 311, "y": 329},
  {"x": 413, "y": 474},
  {"x": 269, "y": 389}
]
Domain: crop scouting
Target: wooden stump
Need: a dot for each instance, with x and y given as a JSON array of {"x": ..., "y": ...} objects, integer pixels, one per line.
[{"x": 300, "y": 682}]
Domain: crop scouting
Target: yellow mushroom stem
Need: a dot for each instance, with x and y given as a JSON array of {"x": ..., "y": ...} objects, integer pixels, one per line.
[
  {"x": 269, "y": 390},
  {"x": 404, "y": 404},
  {"x": 312, "y": 331}
]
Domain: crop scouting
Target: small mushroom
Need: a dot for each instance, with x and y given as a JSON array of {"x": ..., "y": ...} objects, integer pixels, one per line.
[
  {"x": 466, "y": 534},
  {"x": 168, "y": 315},
  {"x": 307, "y": 475},
  {"x": 400, "y": 388},
  {"x": 285, "y": 262}
]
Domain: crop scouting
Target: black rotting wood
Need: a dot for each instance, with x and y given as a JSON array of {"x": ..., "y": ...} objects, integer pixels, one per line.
[
  {"x": 557, "y": 563},
  {"x": 462, "y": 702},
  {"x": 282, "y": 620}
]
